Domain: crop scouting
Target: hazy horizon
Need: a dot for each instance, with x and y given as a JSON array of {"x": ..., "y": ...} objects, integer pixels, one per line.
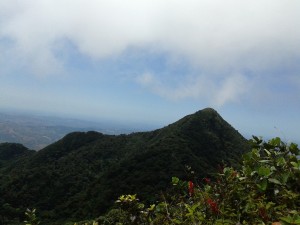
[{"x": 122, "y": 127}]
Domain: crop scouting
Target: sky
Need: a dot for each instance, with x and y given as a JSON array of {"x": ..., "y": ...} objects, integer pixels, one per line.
[{"x": 153, "y": 62}]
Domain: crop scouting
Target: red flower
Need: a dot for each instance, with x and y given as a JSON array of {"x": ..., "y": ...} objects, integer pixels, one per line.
[
  {"x": 191, "y": 188},
  {"x": 263, "y": 214},
  {"x": 207, "y": 180},
  {"x": 213, "y": 205}
]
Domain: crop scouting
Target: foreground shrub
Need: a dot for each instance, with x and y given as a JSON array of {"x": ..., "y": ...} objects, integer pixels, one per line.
[{"x": 264, "y": 190}]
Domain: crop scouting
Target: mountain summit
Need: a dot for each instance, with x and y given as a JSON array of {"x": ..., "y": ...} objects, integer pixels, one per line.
[{"x": 82, "y": 174}]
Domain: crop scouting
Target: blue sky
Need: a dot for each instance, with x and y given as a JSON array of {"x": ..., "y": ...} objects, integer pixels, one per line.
[{"x": 153, "y": 62}]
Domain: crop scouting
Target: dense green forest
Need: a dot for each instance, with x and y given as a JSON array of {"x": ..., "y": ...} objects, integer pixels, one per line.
[{"x": 80, "y": 176}]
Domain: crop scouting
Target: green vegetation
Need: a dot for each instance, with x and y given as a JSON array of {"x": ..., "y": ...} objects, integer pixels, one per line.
[
  {"x": 11, "y": 152},
  {"x": 80, "y": 176},
  {"x": 31, "y": 217},
  {"x": 265, "y": 190}
]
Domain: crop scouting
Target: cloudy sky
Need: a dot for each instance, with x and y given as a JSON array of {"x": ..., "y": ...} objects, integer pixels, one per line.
[{"x": 154, "y": 61}]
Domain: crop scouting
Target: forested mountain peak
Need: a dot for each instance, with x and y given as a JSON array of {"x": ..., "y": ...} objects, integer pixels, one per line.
[{"x": 82, "y": 174}]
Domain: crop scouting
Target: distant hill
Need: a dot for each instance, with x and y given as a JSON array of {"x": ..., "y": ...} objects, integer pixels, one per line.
[
  {"x": 11, "y": 152},
  {"x": 36, "y": 132},
  {"x": 82, "y": 174}
]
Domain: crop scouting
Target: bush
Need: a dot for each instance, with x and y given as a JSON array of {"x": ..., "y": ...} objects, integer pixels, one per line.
[{"x": 264, "y": 191}]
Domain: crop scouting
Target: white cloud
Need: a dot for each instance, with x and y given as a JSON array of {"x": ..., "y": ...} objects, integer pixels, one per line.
[
  {"x": 231, "y": 89},
  {"x": 207, "y": 31},
  {"x": 219, "y": 37}
]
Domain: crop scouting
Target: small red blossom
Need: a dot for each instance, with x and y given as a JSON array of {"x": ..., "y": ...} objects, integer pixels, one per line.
[
  {"x": 206, "y": 180},
  {"x": 213, "y": 205},
  {"x": 263, "y": 214},
  {"x": 191, "y": 188}
]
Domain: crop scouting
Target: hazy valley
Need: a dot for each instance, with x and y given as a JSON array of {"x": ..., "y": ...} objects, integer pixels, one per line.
[{"x": 36, "y": 132}]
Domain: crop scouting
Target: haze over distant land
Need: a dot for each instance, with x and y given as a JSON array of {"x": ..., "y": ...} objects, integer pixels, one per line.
[
  {"x": 153, "y": 62},
  {"x": 36, "y": 131}
]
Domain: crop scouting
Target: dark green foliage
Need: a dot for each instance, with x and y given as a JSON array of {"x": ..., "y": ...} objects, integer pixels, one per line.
[
  {"x": 81, "y": 175},
  {"x": 11, "y": 151},
  {"x": 265, "y": 190},
  {"x": 31, "y": 218}
]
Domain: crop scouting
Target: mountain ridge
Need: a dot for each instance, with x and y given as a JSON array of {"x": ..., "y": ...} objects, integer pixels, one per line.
[{"x": 82, "y": 174}]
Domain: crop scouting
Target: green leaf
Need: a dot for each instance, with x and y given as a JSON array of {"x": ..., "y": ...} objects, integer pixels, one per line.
[
  {"x": 280, "y": 161},
  {"x": 284, "y": 177},
  {"x": 264, "y": 161},
  {"x": 176, "y": 221},
  {"x": 247, "y": 156},
  {"x": 294, "y": 164},
  {"x": 264, "y": 171},
  {"x": 294, "y": 148},
  {"x": 151, "y": 208},
  {"x": 256, "y": 139},
  {"x": 269, "y": 205},
  {"x": 275, "y": 141},
  {"x": 263, "y": 185},
  {"x": 255, "y": 154},
  {"x": 287, "y": 219},
  {"x": 268, "y": 152},
  {"x": 253, "y": 172},
  {"x": 275, "y": 181},
  {"x": 175, "y": 180}
]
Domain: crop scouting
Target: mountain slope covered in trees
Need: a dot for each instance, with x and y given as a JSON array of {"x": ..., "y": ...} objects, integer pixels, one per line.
[{"x": 81, "y": 175}]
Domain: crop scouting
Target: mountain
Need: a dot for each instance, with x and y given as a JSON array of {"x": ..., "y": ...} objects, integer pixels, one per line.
[
  {"x": 11, "y": 152},
  {"x": 81, "y": 175}
]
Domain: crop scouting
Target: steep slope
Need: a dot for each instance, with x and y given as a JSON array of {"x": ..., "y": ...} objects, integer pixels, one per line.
[
  {"x": 200, "y": 141},
  {"x": 82, "y": 174}
]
